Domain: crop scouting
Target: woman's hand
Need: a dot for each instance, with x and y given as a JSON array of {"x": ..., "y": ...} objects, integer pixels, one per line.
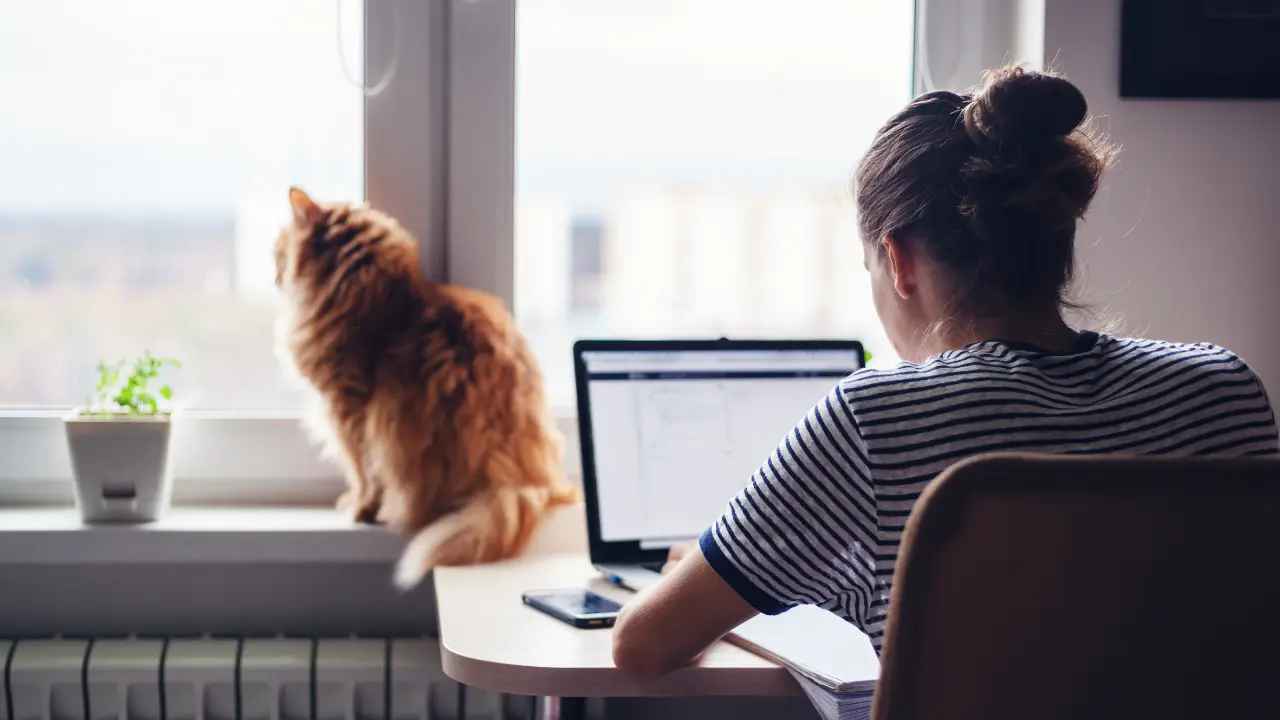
[{"x": 677, "y": 553}]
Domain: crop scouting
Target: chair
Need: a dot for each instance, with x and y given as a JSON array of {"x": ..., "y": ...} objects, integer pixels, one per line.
[{"x": 1050, "y": 587}]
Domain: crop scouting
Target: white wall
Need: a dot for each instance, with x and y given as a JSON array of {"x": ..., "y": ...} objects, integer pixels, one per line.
[{"x": 1184, "y": 241}]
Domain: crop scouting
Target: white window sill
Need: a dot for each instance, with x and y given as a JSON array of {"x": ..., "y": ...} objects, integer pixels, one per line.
[
  {"x": 194, "y": 535},
  {"x": 225, "y": 535}
]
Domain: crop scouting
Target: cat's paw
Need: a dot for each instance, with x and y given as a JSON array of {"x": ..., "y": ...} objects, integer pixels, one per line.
[
  {"x": 387, "y": 516},
  {"x": 360, "y": 507},
  {"x": 366, "y": 514}
]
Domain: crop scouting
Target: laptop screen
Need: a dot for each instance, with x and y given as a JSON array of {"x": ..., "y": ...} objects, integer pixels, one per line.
[{"x": 677, "y": 433}]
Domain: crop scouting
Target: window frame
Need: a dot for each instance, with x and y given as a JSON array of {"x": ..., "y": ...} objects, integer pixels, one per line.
[{"x": 439, "y": 155}]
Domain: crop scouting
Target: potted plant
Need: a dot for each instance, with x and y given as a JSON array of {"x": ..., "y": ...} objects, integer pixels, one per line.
[{"x": 119, "y": 444}]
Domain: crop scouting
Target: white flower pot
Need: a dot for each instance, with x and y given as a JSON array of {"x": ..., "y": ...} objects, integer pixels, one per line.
[{"x": 121, "y": 465}]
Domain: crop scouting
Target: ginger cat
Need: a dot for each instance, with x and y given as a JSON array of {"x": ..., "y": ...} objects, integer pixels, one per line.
[{"x": 430, "y": 397}]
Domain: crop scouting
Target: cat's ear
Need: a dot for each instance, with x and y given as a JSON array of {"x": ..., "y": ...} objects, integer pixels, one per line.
[{"x": 305, "y": 211}]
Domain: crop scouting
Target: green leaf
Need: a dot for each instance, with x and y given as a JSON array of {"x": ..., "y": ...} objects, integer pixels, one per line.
[{"x": 125, "y": 384}]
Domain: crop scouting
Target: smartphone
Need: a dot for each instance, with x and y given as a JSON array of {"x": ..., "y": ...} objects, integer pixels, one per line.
[{"x": 579, "y": 607}]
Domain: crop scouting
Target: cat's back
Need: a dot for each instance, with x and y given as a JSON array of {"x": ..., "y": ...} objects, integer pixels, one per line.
[
  {"x": 478, "y": 318},
  {"x": 469, "y": 331},
  {"x": 472, "y": 362}
]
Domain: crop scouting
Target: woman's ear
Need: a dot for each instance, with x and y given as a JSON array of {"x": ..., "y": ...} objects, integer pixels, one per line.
[{"x": 901, "y": 263}]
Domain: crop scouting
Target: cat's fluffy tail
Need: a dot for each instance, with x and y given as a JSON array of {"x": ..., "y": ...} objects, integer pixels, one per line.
[{"x": 494, "y": 525}]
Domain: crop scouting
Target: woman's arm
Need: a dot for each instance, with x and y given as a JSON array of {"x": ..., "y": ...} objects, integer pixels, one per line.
[{"x": 673, "y": 622}]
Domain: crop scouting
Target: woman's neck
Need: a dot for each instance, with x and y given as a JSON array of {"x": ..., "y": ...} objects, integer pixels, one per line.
[{"x": 1047, "y": 330}]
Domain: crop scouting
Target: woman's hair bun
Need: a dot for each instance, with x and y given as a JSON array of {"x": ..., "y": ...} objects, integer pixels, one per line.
[{"x": 1021, "y": 105}]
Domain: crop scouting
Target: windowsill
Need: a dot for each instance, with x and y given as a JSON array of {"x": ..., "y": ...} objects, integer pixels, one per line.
[
  {"x": 187, "y": 535},
  {"x": 194, "y": 535}
]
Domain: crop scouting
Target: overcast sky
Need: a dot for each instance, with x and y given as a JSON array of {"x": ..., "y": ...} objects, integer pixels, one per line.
[{"x": 178, "y": 105}]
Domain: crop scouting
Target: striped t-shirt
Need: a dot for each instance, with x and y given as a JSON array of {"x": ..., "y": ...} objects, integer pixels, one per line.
[{"x": 819, "y": 523}]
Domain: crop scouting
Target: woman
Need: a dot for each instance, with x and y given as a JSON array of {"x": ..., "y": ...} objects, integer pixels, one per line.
[{"x": 967, "y": 206}]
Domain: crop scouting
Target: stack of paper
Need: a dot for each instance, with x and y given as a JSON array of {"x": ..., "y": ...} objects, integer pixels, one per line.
[
  {"x": 833, "y": 705},
  {"x": 836, "y": 705},
  {"x": 833, "y": 660}
]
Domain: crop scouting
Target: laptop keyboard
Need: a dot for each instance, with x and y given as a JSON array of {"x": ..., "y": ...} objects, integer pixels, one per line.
[{"x": 654, "y": 566}]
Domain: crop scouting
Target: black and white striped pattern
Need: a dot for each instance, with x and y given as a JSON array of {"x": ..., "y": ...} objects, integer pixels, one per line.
[{"x": 820, "y": 522}]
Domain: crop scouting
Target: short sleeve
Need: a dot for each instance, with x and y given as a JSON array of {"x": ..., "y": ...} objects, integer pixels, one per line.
[{"x": 803, "y": 530}]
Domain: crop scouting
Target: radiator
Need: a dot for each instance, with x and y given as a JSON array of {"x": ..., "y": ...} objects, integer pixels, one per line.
[{"x": 236, "y": 679}]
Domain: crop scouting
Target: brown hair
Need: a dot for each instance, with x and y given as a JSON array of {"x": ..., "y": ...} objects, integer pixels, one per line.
[{"x": 989, "y": 184}]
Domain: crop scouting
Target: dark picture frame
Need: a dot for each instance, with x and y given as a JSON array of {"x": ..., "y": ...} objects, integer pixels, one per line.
[{"x": 1200, "y": 49}]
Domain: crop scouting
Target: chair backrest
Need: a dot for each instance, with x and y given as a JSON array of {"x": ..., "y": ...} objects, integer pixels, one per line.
[{"x": 1049, "y": 587}]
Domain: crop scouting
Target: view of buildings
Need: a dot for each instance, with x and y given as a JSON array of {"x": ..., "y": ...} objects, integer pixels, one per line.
[
  {"x": 691, "y": 262},
  {"x": 74, "y": 290}
]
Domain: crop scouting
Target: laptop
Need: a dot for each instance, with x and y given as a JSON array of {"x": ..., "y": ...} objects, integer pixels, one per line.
[{"x": 672, "y": 430}]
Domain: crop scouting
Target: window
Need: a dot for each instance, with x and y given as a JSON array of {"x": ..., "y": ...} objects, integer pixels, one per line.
[
  {"x": 147, "y": 146},
  {"x": 682, "y": 168},
  {"x": 678, "y": 168}
]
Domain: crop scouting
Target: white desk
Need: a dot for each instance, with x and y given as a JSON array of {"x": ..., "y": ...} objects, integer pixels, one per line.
[{"x": 489, "y": 639}]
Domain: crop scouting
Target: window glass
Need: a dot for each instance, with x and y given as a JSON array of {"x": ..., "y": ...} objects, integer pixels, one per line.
[
  {"x": 146, "y": 148},
  {"x": 683, "y": 167}
]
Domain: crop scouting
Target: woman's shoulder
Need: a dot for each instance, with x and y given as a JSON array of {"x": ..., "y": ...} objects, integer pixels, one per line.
[{"x": 1203, "y": 354}]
